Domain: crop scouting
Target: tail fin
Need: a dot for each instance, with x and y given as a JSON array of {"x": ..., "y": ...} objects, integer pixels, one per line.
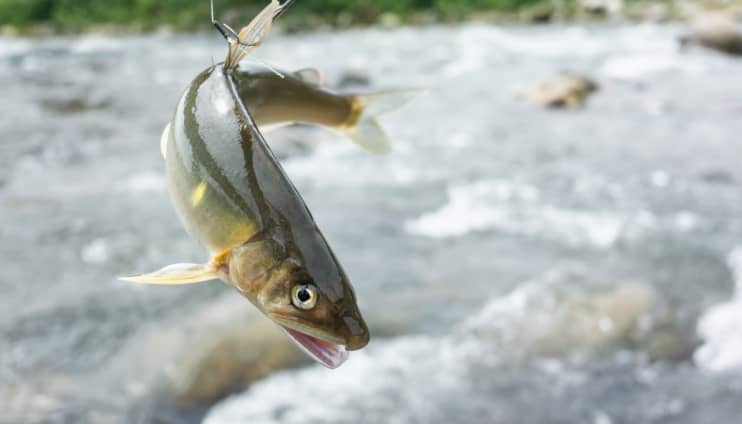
[{"x": 366, "y": 131}]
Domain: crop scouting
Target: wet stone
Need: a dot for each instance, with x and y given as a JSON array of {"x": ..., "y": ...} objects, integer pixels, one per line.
[
  {"x": 354, "y": 78},
  {"x": 720, "y": 177},
  {"x": 569, "y": 90},
  {"x": 73, "y": 105},
  {"x": 716, "y": 31}
]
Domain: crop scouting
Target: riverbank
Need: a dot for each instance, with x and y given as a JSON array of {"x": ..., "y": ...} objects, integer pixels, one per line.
[{"x": 50, "y": 17}]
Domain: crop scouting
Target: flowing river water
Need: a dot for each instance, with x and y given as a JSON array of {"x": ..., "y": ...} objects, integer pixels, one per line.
[{"x": 517, "y": 265}]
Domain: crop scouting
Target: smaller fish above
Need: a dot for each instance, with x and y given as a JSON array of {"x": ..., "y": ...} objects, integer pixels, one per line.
[{"x": 280, "y": 98}]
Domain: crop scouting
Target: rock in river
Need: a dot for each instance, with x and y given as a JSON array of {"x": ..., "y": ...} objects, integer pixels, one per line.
[
  {"x": 716, "y": 31},
  {"x": 567, "y": 90}
]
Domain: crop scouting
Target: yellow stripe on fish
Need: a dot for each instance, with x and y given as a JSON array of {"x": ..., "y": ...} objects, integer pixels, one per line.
[{"x": 198, "y": 193}]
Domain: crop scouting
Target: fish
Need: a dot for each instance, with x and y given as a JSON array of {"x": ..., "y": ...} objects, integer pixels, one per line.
[
  {"x": 277, "y": 98},
  {"x": 233, "y": 196}
]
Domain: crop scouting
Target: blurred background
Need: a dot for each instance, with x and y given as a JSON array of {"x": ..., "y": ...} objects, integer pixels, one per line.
[{"x": 556, "y": 236}]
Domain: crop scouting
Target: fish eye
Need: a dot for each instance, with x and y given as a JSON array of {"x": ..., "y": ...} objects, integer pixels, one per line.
[{"x": 304, "y": 296}]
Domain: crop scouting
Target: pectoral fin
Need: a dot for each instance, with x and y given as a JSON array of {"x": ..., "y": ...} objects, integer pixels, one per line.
[
  {"x": 176, "y": 274},
  {"x": 271, "y": 127}
]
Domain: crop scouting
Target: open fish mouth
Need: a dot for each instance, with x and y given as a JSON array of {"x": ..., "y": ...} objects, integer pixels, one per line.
[{"x": 326, "y": 352}]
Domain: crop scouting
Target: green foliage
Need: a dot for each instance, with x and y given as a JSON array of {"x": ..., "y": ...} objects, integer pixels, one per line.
[
  {"x": 80, "y": 14},
  {"x": 456, "y": 8},
  {"x": 20, "y": 12}
]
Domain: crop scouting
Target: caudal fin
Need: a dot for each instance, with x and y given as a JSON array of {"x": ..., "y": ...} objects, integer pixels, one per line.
[{"x": 367, "y": 132}]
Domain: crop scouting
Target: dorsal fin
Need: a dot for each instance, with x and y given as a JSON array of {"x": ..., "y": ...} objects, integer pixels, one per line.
[{"x": 311, "y": 76}]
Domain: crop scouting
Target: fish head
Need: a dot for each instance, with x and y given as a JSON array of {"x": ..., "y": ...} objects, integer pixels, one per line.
[{"x": 317, "y": 310}]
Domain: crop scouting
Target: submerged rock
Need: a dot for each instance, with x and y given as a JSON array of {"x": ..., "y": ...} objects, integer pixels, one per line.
[
  {"x": 222, "y": 347},
  {"x": 354, "y": 77},
  {"x": 523, "y": 348},
  {"x": 716, "y": 31},
  {"x": 539, "y": 13},
  {"x": 717, "y": 176},
  {"x": 565, "y": 91},
  {"x": 569, "y": 311},
  {"x": 74, "y": 104},
  {"x": 601, "y": 7}
]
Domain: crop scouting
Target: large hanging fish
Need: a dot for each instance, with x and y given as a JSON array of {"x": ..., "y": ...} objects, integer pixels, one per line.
[{"x": 233, "y": 196}]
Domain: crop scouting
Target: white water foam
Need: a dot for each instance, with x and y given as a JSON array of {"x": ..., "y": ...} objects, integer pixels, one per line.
[
  {"x": 97, "y": 252},
  {"x": 11, "y": 47},
  {"x": 398, "y": 381},
  {"x": 721, "y": 327},
  {"x": 96, "y": 44},
  {"x": 516, "y": 208},
  {"x": 347, "y": 169},
  {"x": 143, "y": 182},
  {"x": 571, "y": 41},
  {"x": 638, "y": 66}
]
